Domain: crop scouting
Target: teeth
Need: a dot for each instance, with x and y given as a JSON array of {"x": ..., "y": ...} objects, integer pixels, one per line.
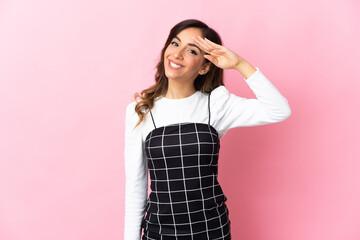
[{"x": 175, "y": 65}]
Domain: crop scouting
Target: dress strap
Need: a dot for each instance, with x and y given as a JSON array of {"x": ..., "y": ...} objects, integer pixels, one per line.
[
  {"x": 152, "y": 118},
  {"x": 209, "y": 106}
]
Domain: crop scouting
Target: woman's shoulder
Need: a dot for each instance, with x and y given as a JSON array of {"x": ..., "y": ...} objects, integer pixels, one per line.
[
  {"x": 131, "y": 114},
  {"x": 219, "y": 94},
  {"x": 130, "y": 108},
  {"x": 130, "y": 111},
  {"x": 131, "y": 105},
  {"x": 219, "y": 90}
]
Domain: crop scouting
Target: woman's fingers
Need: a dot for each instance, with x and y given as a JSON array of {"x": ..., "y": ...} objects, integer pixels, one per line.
[
  {"x": 210, "y": 44},
  {"x": 220, "y": 55},
  {"x": 205, "y": 46},
  {"x": 220, "y": 50},
  {"x": 202, "y": 45},
  {"x": 203, "y": 42},
  {"x": 214, "y": 45}
]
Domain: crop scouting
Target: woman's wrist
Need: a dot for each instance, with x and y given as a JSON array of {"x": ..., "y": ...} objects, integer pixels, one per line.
[{"x": 245, "y": 68}]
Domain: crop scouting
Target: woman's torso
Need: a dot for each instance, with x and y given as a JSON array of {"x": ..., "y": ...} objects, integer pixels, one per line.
[{"x": 186, "y": 198}]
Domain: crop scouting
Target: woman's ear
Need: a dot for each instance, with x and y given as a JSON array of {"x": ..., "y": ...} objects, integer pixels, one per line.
[{"x": 205, "y": 68}]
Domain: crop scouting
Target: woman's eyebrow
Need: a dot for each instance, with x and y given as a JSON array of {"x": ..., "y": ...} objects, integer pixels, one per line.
[{"x": 190, "y": 44}]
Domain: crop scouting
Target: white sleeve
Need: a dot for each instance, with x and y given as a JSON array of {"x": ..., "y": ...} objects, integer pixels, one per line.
[
  {"x": 136, "y": 173},
  {"x": 232, "y": 111}
]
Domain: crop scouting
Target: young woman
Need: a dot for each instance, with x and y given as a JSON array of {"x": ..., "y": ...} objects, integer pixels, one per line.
[{"x": 173, "y": 130}]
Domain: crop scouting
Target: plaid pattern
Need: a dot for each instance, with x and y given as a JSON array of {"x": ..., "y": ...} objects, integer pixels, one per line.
[{"x": 186, "y": 200}]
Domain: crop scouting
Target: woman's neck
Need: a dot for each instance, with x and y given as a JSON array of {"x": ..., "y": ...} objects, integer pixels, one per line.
[{"x": 178, "y": 90}]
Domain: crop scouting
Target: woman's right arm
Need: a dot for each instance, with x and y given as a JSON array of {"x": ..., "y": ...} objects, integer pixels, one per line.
[{"x": 136, "y": 183}]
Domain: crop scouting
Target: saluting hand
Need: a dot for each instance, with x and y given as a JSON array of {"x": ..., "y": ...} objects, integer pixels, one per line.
[{"x": 219, "y": 55}]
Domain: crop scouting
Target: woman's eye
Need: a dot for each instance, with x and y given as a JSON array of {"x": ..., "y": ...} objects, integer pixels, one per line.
[
  {"x": 174, "y": 43},
  {"x": 193, "y": 52}
]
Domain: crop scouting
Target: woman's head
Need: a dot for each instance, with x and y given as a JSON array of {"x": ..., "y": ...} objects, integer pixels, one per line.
[
  {"x": 183, "y": 60},
  {"x": 185, "y": 64},
  {"x": 206, "y": 75}
]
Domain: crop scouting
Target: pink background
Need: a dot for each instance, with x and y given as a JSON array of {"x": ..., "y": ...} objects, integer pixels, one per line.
[{"x": 69, "y": 68}]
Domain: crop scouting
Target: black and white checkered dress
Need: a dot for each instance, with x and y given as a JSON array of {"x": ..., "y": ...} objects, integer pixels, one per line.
[{"x": 186, "y": 200}]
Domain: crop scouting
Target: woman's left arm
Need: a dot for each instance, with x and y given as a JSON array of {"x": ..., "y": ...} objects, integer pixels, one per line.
[{"x": 234, "y": 111}]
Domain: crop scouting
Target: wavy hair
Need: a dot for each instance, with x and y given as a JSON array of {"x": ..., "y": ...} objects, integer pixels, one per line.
[{"x": 204, "y": 83}]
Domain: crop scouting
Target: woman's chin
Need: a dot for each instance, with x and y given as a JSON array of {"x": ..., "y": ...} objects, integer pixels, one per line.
[{"x": 172, "y": 76}]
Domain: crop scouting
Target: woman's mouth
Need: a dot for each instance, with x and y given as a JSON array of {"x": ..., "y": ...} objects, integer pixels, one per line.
[{"x": 174, "y": 65}]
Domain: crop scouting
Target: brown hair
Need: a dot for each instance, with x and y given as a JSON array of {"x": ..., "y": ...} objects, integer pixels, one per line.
[{"x": 205, "y": 83}]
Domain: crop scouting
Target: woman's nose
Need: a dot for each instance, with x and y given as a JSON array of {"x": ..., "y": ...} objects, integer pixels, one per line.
[{"x": 178, "y": 53}]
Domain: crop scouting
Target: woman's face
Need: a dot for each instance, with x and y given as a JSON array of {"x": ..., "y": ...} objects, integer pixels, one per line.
[{"x": 183, "y": 60}]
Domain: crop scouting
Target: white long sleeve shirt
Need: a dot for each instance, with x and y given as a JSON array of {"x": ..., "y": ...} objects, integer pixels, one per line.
[{"x": 227, "y": 111}]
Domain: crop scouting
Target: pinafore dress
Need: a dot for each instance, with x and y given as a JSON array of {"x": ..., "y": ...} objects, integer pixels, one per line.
[{"x": 186, "y": 200}]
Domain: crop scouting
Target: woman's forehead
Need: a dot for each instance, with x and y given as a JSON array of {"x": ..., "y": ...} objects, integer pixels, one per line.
[{"x": 189, "y": 33}]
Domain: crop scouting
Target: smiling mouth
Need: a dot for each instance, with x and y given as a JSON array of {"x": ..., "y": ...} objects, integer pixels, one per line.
[{"x": 174, "y": 65}]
